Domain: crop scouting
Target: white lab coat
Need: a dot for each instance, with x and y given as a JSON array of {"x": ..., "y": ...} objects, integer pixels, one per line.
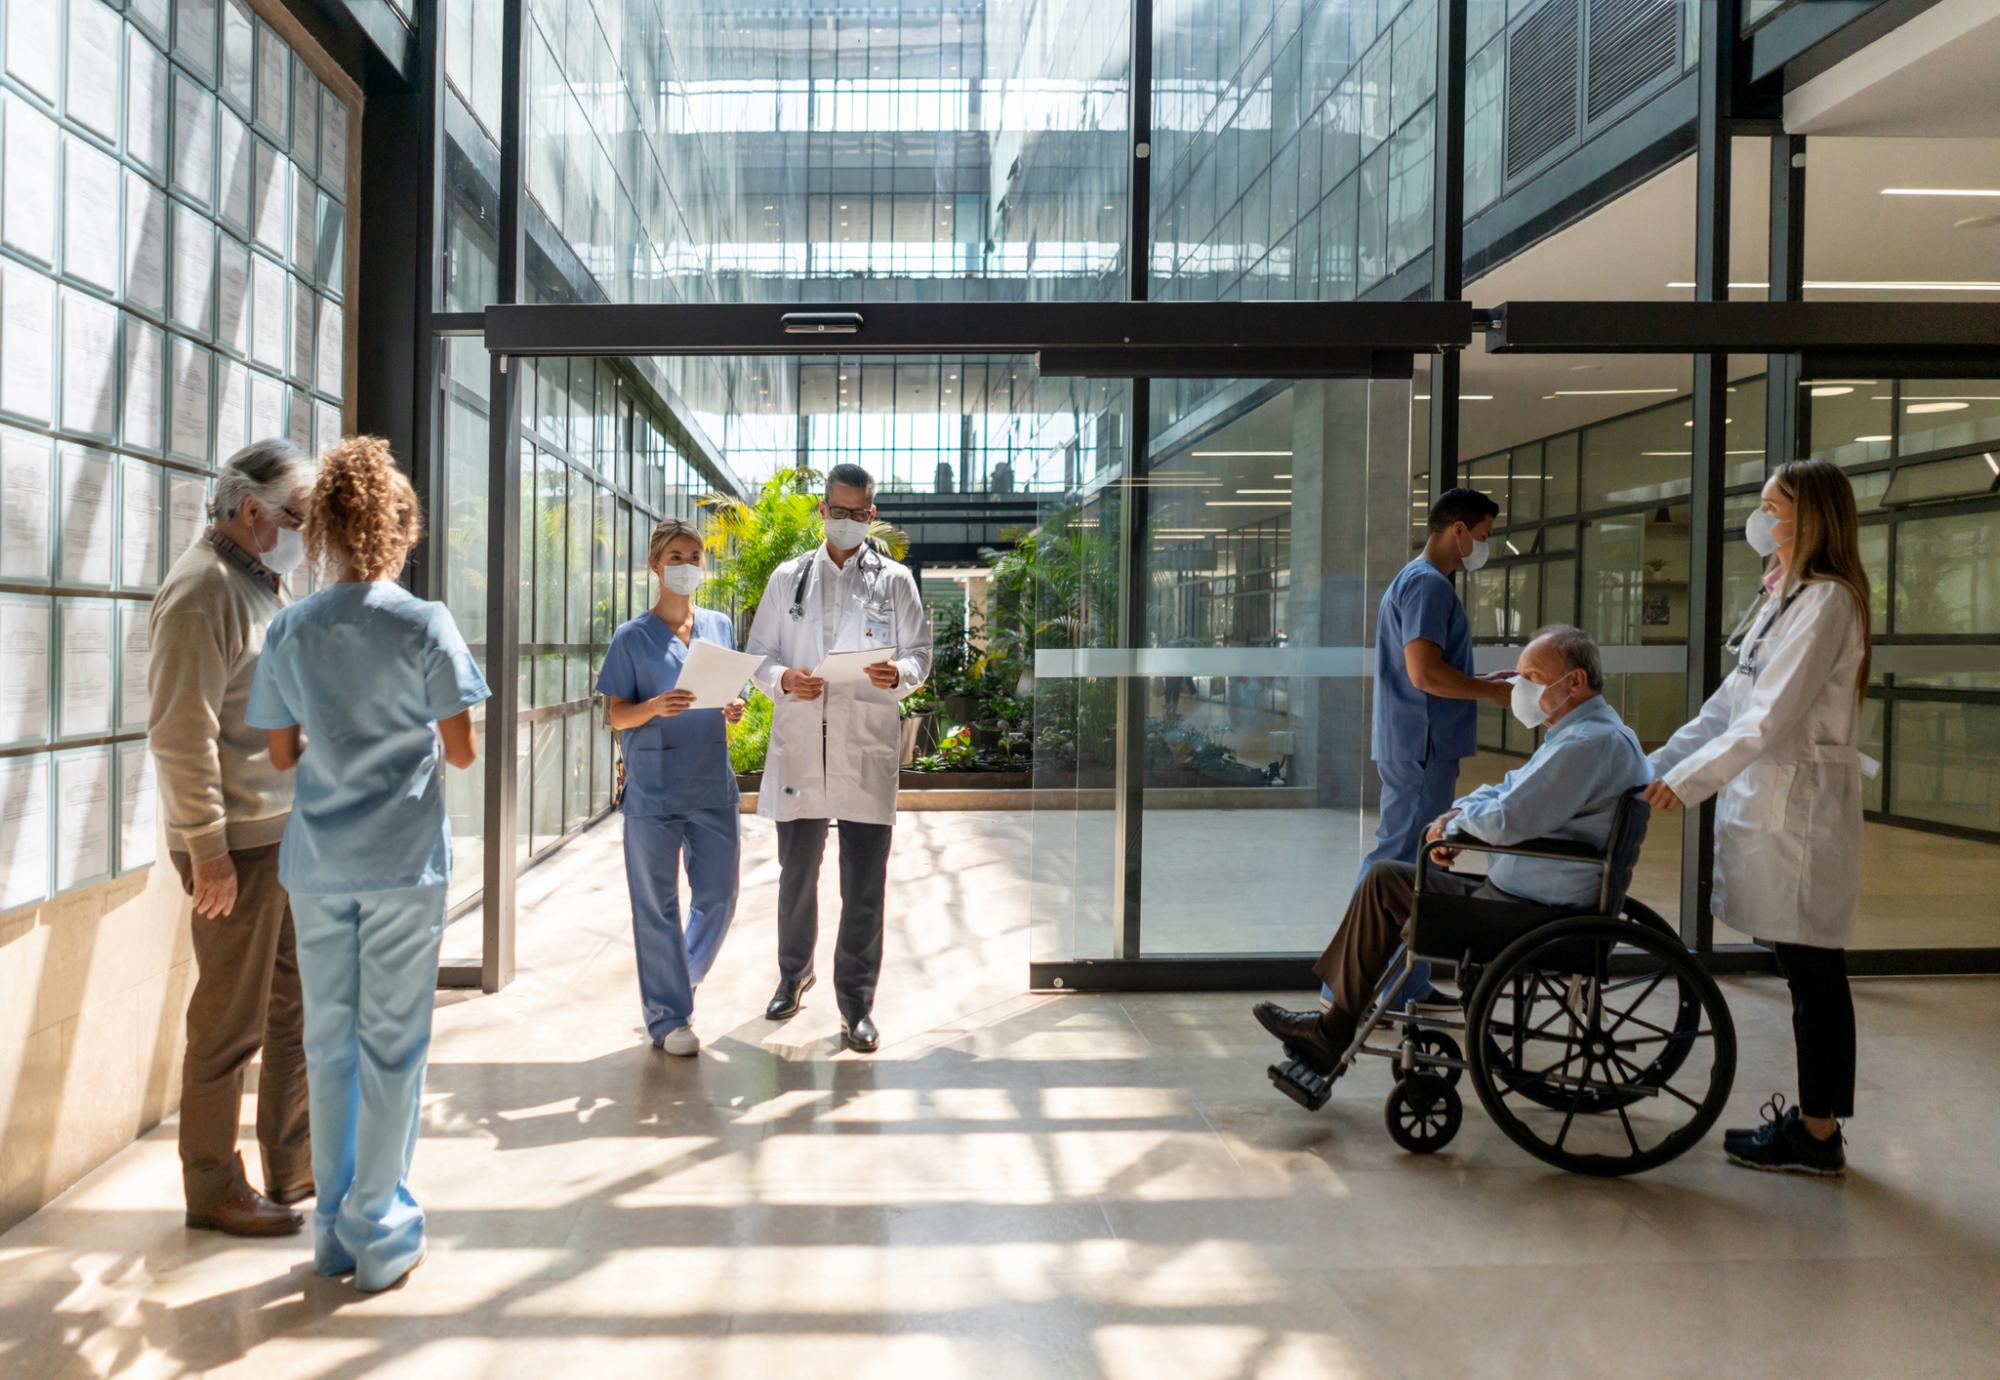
[
  {"x": 837, "y": 757},
  {"x": 1775, "y": 745}
]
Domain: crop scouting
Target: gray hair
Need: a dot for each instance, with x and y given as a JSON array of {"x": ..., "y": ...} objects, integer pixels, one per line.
[
  {"x": 665, "y": 531},
  {"x": 266, "y": 470},
  {"x": 849, "y": 475},
  {"x": 1577, "y": 650}
]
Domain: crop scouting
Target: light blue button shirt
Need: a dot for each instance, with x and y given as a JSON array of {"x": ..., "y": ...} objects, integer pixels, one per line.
[
  {"x": 366, "y": 670},
  {"x": 1568, "y": 790}
]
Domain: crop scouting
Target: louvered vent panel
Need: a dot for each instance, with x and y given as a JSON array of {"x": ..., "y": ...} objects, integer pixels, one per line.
[
  {"x": 1541, "y": 85},
  {"x": 1632, "y": 45}
]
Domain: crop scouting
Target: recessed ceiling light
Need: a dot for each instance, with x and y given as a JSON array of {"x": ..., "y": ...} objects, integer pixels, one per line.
[
  {"x": 1937, "y": 407},
  {"x": 1871, "y": 440},
  {"x": 1884, "y": 285},
  {"x": 1238, "y": 454},
  {"x": 1286, "y": 492},
  {"x": 1941, "y": 191},
  {"x": 1987, "y": 222},
  {"x": 1244, "y": 503},
  {"x": 1611, "y": 392},
  {"x": 1586, "y": 368},
  {"x": 1951, "y": 397},
  {"x": 1832, "y": 390}
]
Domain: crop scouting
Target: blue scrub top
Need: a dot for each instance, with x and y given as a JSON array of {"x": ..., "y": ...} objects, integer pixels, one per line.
[
  {"x": 366, "y": 670},
  {"x": 672, "y": 765},
  {"x": 1411, "y": 726}
]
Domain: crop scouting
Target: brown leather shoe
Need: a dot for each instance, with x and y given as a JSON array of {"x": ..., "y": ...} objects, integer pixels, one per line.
[
  {"x": 296, "y": 1194},
  {"x": 247, "y": 1212}
]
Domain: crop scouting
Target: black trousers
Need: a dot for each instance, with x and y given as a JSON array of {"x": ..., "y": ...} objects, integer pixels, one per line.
[
  {"x": 864, "y": 879},
  {"x": 1822, "y": 1026}
]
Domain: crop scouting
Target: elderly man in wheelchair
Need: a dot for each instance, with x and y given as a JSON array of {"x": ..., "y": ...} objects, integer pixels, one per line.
[{"x": 1578, "y": 1000}]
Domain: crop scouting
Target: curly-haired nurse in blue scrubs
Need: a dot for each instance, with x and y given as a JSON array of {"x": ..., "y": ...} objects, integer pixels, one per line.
[{"x": 680, "y": 793}]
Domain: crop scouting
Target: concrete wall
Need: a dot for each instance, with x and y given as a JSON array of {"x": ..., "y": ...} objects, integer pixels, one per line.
[{"x": 94, "y": 988}]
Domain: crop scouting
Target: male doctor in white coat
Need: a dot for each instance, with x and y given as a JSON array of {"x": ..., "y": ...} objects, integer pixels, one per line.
[{"x": 836, "y": 748}]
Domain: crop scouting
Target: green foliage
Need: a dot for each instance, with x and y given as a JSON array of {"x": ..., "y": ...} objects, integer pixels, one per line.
[
  {"x": 1055, "y": 587},
  {"x": 750, "y": 738},
  {"x": 955, "y": 752},
  {"x": 748, "y": 541}
]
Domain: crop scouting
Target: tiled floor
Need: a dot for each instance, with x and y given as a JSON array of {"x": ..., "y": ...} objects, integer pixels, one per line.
[{"x": 1033, "y": 1186}]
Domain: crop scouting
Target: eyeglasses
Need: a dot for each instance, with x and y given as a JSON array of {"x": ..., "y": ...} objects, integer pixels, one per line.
[{"x": 849, "y": 514}]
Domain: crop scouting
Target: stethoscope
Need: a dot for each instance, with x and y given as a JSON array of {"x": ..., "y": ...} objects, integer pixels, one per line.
[
  {"x": 867, "y": 556},
  {"x": 1747, "y": 662}
]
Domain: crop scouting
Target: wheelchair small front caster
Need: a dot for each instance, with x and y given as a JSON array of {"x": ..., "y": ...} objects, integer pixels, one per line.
[
  {"x": 1423, "y": 1112},
  {"x": 1300, "y": 1081}
]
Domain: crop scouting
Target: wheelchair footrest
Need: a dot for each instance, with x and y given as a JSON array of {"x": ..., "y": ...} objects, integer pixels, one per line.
[{"x": 1301, "y": 1082}]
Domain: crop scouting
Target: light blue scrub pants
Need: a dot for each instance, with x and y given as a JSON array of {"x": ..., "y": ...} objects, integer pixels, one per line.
[
  {"x": 672, "y": 960},
  {"x": 368, "y": 964},
  {"x": 1413, "y": 794}
]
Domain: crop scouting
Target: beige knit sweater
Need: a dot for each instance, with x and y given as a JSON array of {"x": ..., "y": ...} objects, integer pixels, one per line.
[{"x": 218, "y": 789}]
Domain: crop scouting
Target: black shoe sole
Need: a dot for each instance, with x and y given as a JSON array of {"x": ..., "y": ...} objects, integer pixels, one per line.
[
  {"x": 796, "y": 1006},
  {"x": 1812, "y": 1170}
]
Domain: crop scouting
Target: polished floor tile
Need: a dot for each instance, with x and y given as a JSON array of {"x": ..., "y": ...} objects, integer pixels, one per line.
[{"x": 1032, "y": 1186}]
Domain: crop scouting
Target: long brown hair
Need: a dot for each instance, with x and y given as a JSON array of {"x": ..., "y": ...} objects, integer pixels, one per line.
[{"x": 1826, "y": 538}]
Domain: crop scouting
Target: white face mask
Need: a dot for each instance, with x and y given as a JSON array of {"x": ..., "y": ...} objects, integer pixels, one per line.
[
  {"x": 1527, "y": 704},
  {"x": 288, "y": 555},
  {"x": 1478, "y": 556},
  {"x": 682, "y": 579},
  {"x": 1761, "y": 531},
  {"x": 845, "y": 534}
]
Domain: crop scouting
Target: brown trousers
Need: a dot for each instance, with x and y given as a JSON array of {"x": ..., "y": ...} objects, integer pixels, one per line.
[
  {"x": 1378, "y": 919},
  {"x": 246, "y": 996}
]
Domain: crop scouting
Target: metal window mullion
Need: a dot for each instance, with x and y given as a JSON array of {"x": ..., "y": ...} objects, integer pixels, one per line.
[{"x": 1447, "y": 236}]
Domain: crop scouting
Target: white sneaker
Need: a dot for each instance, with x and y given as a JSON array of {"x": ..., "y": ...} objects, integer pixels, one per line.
[{"x": 681, "y": 1040}]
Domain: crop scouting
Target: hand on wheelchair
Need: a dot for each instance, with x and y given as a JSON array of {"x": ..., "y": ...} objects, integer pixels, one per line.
[{"x": 1437, "y": 830}]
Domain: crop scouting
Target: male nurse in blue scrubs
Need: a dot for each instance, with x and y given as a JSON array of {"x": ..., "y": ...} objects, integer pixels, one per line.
[
  {"x": 1426, "y": 697},
  {"x": 680, "y": 794}
]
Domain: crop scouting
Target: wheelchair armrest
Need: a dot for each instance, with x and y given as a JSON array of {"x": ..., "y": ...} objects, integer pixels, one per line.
[{"x": 1556, "y": 850}]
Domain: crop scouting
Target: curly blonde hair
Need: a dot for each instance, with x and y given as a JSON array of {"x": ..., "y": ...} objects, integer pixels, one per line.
[{"x": 364, "y": 513}]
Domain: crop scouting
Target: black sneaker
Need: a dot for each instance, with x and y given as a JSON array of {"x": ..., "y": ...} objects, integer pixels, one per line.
[{"x": 1784, "y": 1145}]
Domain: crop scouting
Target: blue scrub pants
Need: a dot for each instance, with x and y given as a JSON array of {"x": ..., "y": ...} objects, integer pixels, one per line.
[
  {"x": 368, "y": 965},
  {"x": 672, "y": 960},
  {"x": 1413, "y": 794}
]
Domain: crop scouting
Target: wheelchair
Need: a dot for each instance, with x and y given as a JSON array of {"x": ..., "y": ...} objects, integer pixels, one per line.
[{"x": 1594, "y": 1040}]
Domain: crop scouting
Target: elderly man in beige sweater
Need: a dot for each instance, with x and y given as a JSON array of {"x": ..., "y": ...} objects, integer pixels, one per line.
[{"x": 225, "y": 806}]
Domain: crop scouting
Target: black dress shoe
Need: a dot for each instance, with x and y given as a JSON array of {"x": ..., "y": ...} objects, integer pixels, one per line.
[
  {"x": 1300, "y": 1033},
  {"x": 785, "y": 1001},
  {"x": 861, "y": 1036}
]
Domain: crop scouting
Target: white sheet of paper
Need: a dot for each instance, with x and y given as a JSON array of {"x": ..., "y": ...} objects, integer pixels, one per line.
[
  {"x": 194, "y": 271},
  {"x": 234, "y": 160},
  {"x": 28, "y": 165},
  {"x": 89, "y": 365},
  {"x": 24, "y": 670},
  {"x": 267, "y": 406},
  {"x": 138, "y": 808},
  {"x": 145, "y": 376},
  {"x": 851, "y": 668},
  {"x": 274, "y": 65},
  {"x": 305, "y": 221},
  {"x": 135, "y": 657},
  {"x": 83, "y": 818},
  {"x": 95, "y": 39},
  {"x": 268, "y": 310},
  {"x": 27, "y": 343},
  {"x": 330, "y": 366},
  {"x": 270, "y": 195},
  {"x": 26, "y": 463},
  {"x": 83, "y": 687},
  {"x": 145, "y": 103},
  {"x": 33, "y": 36},
  {"x": 91, "y": 214},
  {"x": 85, "y": 506},
  {"x": 145, "y": 246},
  {"x": 333, "y": 142},
  {"x": 305, "y": 114},
  {"x": 194, "y": 141},
  {"x": 194, "y": 34},
  {"x": 138, "y": 525},
  {"x": 24, "y": 830},
  {"x": 715, "y": 674},
  {"x": 239, "y": 55},
  {"x": 232, "y": 409},
  {"x": 303, "y": 329},
  {"x": 232, "y": 294},
  {"x": 187, "y": 513},
  {"x": 191, "y": 368}
]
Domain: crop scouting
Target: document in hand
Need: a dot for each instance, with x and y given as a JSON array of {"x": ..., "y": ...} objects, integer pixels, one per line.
[
  {"x": 851, "y": 668},
  {"x": 715, "y": 674}
]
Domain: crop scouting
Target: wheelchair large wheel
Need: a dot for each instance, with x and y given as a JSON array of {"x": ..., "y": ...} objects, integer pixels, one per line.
[
  {"x": 1585, "y": 1086},
  {"x": 1527, "y": 1005}
]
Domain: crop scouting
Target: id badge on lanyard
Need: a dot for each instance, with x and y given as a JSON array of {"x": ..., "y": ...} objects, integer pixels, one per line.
[{"x": 1752, "y": 648}]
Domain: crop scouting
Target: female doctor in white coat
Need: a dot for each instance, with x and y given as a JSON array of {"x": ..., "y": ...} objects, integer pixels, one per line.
[{"x": 1775, "y": 747}]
